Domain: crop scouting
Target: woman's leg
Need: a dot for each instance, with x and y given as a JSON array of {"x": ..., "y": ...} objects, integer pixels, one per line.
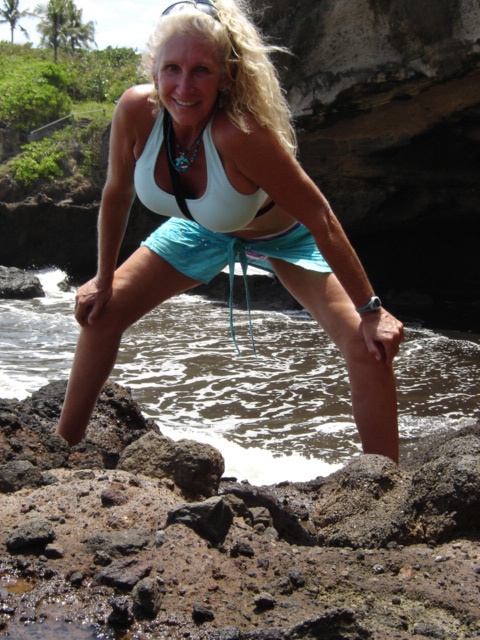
[
  {"x": 372, "y": 383},
  {"x": 141, "y": 283}
]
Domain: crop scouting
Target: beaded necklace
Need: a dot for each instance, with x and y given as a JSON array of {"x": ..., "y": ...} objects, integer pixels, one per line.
[{"x": 182, "y": 162}]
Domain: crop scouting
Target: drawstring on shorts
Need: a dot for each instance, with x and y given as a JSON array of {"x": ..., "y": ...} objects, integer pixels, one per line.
[{"x": 236, "y": 248}]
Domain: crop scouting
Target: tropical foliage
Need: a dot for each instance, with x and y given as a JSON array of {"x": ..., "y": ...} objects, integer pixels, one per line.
[
  {"x": 39, "y": 160},
  {"x": 102, "y": 76},
  {"x": 61, "y": 104},
  {"x": 10, "y": 14},
  {"x": 35, "y": 91},
  {"x": 71, "y": 153},
  {"x": 61, "y": 26},
  {"x": 32, "y": 95},
  {"x": 79, "y": 91}
]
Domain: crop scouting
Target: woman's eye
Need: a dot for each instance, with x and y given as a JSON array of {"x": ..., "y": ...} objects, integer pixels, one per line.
[{"x": 201, "y": 71}]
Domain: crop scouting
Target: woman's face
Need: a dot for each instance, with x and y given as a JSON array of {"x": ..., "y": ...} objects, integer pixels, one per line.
[{"x": 189, "y": 78}]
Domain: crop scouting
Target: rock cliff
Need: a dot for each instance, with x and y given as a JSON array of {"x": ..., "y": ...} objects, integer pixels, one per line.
[{"x": 169, "y": 549}]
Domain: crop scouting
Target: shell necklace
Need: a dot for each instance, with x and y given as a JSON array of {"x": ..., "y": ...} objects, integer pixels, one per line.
[{"x": 182, "y": 163}]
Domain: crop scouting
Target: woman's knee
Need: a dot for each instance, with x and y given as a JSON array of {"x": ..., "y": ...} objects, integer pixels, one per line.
[
  {"x": 112, "y": 321},
  {"x": 354, "y": 349},
  {"x": 363, "y": 368}
]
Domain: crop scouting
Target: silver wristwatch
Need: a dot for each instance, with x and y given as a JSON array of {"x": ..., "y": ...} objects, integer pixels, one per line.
[{"x": 373, "y": 304}]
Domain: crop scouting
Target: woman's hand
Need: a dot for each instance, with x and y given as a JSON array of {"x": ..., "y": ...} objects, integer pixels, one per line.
[
  {"x": 89, "y": 301},
  {"x": 383, "y": 334}
]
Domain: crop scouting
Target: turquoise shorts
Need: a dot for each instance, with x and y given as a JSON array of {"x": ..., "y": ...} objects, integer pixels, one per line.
[{"x": 201, "y": 254}]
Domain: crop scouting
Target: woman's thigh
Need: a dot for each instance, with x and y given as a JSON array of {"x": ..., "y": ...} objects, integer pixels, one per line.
[
  {"x": 322, "y": 295},
  {"x": 141, "y": 283}
]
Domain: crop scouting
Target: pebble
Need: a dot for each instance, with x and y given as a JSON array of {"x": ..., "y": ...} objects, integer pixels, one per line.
[
  {"x": 147, "y": 598},
  {"x": 54, "y": 552},
  {"x": 265, "y": 601},
  {"x": 113, "y": 497},
  {"x": 200, "y": 614},
  {"x": 297, "y": 578},
  {"x": 120, "y": 616},
  {"x": 240, "y": 548},
  {"x": 76, "y": 578},
  {"x": 160, "y": 538}
]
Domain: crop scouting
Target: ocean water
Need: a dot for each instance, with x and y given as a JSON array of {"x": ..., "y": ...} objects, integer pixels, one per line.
[{"x": 283, "y": 415}]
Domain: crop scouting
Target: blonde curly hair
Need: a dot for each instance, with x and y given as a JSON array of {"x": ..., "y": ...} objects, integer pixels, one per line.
[{"x": 253, "y": 86}]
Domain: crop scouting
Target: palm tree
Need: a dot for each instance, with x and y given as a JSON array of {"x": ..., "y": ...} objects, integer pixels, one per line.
[
  {"x": 78, "y": 33},
  {"x": 11, "y": 14},
  {"x": 61, "y": 26},
  {"x": 52, "y": 24}
]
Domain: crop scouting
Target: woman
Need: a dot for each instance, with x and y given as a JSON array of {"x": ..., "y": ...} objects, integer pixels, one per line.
[{"x": 215, "y": 128}]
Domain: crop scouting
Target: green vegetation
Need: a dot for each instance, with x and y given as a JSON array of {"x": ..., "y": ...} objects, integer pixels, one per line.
[
  {"x": 32, "y": 95},
  {"x": 80, "y": 91},
  {"x": 102, "y": 76},
  {"x": 72, "y": 153},
  {"x": 35, "y": 91},
  {"x": 39, "y": 160}
]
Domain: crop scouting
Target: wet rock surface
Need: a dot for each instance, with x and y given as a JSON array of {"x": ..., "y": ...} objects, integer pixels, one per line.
[
  {"x": 19, "y": 285},
  {"x": 371, "y": 551}
]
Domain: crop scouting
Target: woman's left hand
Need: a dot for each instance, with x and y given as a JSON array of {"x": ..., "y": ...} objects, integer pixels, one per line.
[{"x": 383, "y": 334}]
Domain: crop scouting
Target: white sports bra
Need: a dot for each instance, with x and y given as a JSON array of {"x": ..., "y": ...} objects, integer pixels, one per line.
[{"x": 221, "y": 208}]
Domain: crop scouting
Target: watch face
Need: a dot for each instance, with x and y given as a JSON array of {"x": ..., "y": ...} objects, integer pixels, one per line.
[{"x": 373, "y": 304}]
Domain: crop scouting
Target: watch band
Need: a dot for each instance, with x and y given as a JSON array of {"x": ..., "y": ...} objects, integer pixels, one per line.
[{"x": 373, "y": 304}]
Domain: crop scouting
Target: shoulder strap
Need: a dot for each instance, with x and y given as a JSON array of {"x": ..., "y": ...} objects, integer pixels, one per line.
[{"x": 176, "y": 183}]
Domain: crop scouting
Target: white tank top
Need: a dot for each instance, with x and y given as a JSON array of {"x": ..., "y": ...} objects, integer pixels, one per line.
[{"x": 221, "y": 208}]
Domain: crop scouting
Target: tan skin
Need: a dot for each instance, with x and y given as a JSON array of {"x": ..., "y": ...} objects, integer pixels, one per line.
[{"x": 189, "y": 78}]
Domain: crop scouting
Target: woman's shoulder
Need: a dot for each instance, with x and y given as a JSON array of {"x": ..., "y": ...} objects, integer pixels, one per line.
[
  {"x": 239, "y": 144},
  {"x": 137, "y": 92},
  {"x": 228, "y": 134},
  {"x": 134, "y": 101},
  {"x": 133, "y": 118}
]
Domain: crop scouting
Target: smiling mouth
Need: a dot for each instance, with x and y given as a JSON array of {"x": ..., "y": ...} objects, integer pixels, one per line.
[{"x": 181, "y": 103}]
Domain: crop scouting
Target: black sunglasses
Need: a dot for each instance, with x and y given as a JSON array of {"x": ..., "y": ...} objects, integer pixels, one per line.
[{"x": 205, "y": 6}]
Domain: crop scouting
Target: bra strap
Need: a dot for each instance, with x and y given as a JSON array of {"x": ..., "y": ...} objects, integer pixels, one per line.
[
  {"x": 264, "y": 209},
  {"x": 176, "y": 182}
]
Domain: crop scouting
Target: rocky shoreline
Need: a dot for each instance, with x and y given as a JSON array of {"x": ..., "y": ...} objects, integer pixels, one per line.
[{"x": 133, "y": 533}]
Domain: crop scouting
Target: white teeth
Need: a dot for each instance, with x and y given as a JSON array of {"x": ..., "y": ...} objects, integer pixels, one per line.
[{"x": 184, "y": 104}]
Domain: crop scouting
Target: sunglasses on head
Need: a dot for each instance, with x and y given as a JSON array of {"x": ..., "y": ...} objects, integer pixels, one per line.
[{"x": 205, "y": 6}]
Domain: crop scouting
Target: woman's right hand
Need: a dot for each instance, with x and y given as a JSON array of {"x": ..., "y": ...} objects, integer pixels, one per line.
[{"x": 89, "y": 301}]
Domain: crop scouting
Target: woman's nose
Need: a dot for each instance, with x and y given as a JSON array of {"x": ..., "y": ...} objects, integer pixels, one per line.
[{"x": 185, "y": 85}]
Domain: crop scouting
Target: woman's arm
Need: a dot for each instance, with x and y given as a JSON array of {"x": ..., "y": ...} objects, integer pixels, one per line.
[
  {"x": 260, "y": 157},
  {"x": 117, "y": 198}
]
